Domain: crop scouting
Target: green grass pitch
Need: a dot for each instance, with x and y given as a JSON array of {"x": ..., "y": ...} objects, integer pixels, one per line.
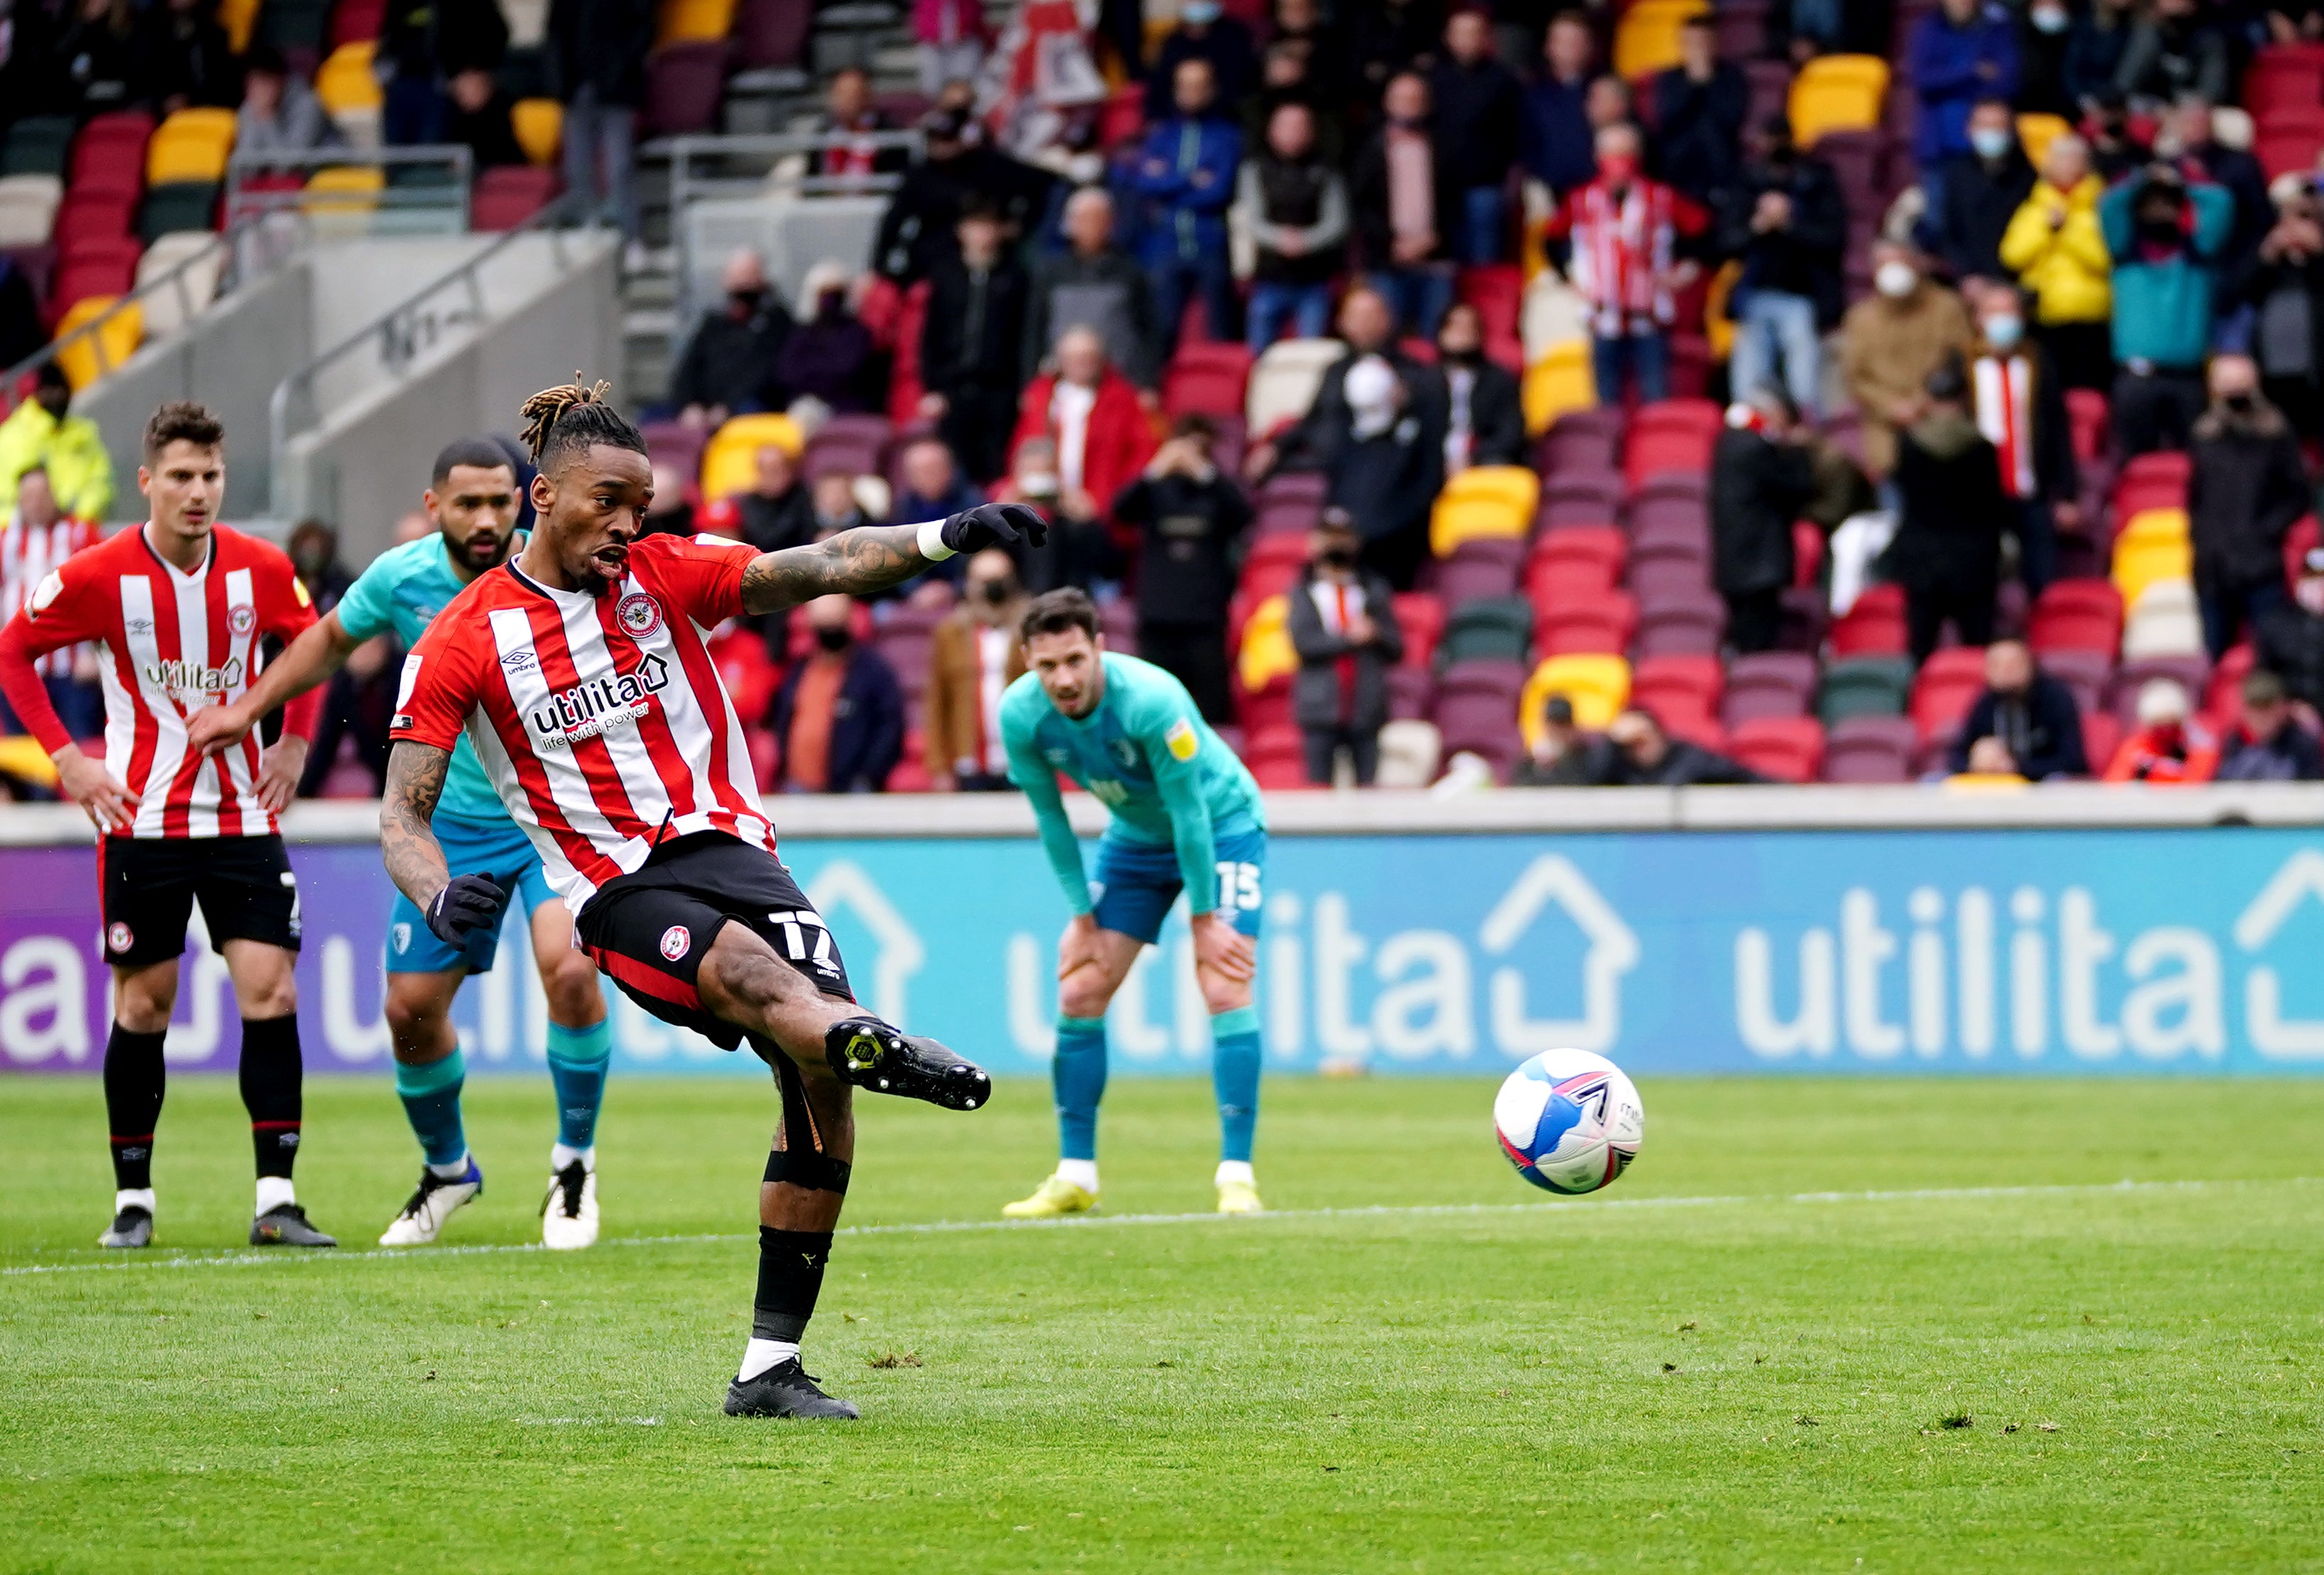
[{"x": 2001, "y": 1358}]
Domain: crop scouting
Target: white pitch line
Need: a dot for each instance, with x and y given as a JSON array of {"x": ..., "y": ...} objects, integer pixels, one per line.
[{"x": 1099, "y": 1221}]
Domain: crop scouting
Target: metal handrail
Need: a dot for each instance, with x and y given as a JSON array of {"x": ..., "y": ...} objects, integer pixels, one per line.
[
  {"x": 401, "y": 333},
  {"x": 241, "y": 200}
]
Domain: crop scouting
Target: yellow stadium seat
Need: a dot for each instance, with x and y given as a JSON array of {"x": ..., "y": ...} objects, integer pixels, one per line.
[
  {"x": 2153, "y": 545},
  {"x": 345, "y": 80},
  {"x": 24, "y": 758},
  {"x": 238, "y": 17},
  {"x": 2035, "y": 133},
  {"x": 1514, "y": 486},
  {"x": 1598, "y": 685},
  {"x": 1559, "y": 381},
  {"x": 1716, "y": 325},
  {"x": 1838, "y": 93},
  {"x": 345, "y": 186},
  {"x": 1266, "y": 651},
  {"x": 540, "y": 128},
  {"x": 192, "y": 144},
  {"x": 1453, "y": 520},
  {"x": 694, "y": 21},
  {"x": 1646, "y": 40},
  {"x": 119, "y": 337},
  {"x": 730, "y": 460}
]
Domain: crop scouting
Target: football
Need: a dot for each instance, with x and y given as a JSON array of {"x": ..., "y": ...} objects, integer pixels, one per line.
[{"x": 1569, "y": 1120}]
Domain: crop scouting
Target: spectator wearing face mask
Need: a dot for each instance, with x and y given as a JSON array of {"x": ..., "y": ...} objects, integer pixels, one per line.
[
  {"x": 1408, "y": 208},
  {"x": 728, "y": 368},
  {"x": 830, "y": 355},
  {"x": 2186, "y": 139},
  {"x": 1980, "y": 192},
  {"x": 1760, "y": 483},
  {"x": 2248, "y": 485},
  {"x": 1187, "y": 173},
  {"x": 1190, "y": 520},
  {"x": 1367, "y": 326},
  {"x": 2165, "y": 240},
  {"x": 1295, "y": 209},
  {"x": 2175, "y": 53},
  {"x": 1623, "y": 237},
  {"x": 1484, "y": 416},
  {"x": 1951, "y": 511},
  {"x": 976, "y": 657},
  {"x": 2285, "y": 290},
  {"x": 1343, "y": 624},
  {"x": 2044, "y": 33},
  {"x": 1963, "y": 52},
  {"x": 1206, "y": 34},
  {"x": 1892, "y": 340},
  {"x": 2267, "y": 743},
  {"x": 1081, "y": 551},
  {"x": 1386, "y": 467},
  {"x": 1787, "y": 223},
  {"x": 839, "y": 715},
  {"x": 2166, "y": 747},
  {"x": 2020, "y": 407},
  {"x": 971, "y": 343},
  {"x": 2024, "y": 723},
  {"x": 2290, "y": 635},
  {"x": 2058, "y": 252},
  {"x": 1563, "y": 755}
]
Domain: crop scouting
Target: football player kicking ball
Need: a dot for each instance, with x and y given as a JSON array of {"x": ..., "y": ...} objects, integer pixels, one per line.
[
  {"x": 578, "y": 670},
  {"x": 1187, "y": 815},
  {"x": 471, "y": 498},
  {"x": 177, "y": 607}
]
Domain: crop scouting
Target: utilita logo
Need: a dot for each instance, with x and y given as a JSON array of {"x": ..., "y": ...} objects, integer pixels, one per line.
[
  {"x": 183, "y": 678},
  {"x": 574, "y": 715}
]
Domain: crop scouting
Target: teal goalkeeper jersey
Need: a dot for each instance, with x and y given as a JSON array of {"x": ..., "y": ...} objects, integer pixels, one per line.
[
  {"x": 1146, "y": 755},
  {"x": 401, "y": 592}
]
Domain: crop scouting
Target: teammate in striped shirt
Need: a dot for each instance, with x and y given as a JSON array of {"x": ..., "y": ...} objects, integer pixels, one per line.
[
  {"x": 473, "y": 500},
  {"x": 38, "y": 540},
  {"x": 177, "y": 607},
  {"x": 579, "y": 671}
]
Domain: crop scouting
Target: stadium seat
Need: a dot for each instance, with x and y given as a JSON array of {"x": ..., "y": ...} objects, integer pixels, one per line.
[
  {"x": 1677, "y": 685},
  {"x": 684, "y": 85},
  {"x": 1294, "y": 517},
  {"x": 192, "y": 144},
  {"x": 84, "y": 220},
  {"x": 1411, "y": 693},
  {"x": 1265, "y": 653},
  {"x": 295, "y": 27},
  {"x": 1597, "y": 684},
  {"x": 1498, "y": 629},
  {"x": 2192, "y": 672},
  {"x": 182, "y": 205},
  {"x": 1308, "y": 487},
  {"x": 38, "y": 144},
  {"x": 1838, "y": 93},
  {"x": 1690, "y": 624},
  {"x": 2084, "y": 671},
  {"x": 28, "y": 208},
  {"x": 1561, "y": 381},
  {"x": 1270, "y": 567},
  {"x": 1874, "y": 625},
  {"x": 1645, "y": 39},
  {"x": 2102, "y": 736},
  {"x": 1575, "y": 445},
  {"x": 1580, "y": 553},
  {"x": 2167, "y": 621},
  {"x": 1421, "y": 618},
  {"x": 1790, "y": 749},
  {"x": 118, "y": 337},
  {"x": 2152, "y": 545},
  {"x": 1949, "y": 684},
  {"x": 356, "y": 21},
  {"x": 1284, "y": 381},
  {"x": 1263, "y": 708},
  {"x": 1590, "y": 499},
  {"x": 539, "y": 127},
  {"x": 1768, "y": 683},
  {"x": 346, "y": 83},
  {"x": 694, "y": 21},
  {"x": 2282, "y": 76},
  {"x": 1453, "y": 519},
  {"x": 109, "y": 155},
  {"x": 239, "y": 18},
  {"x": 771, "y": 32},
  {"x": 730, "y": 461},
  {"x": 2088, "y": 414},
  {"x": 1600, "y": 627},
  {"x": 1865, "y": 686},
  {"x": 1513, "y": 486},
  {"x": 1866, "y": 750},
  {"x": 1670, "y": 571},
  {"x": 1674, "y": 435},
  {"x": 2222, "y": 698},
  {"x": 1479, "y": 569},
  {"x": 2035, "y": 133},
  {"x": 1208, "y": 379},
  {"x": 855, "y": 445},
  {"x": 504, "y": 198},
  {"x": 98, "y": 267},
  {"x": 2076, "y": 615}
]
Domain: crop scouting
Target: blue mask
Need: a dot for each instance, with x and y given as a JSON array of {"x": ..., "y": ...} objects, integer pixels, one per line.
[
  {"x": 1990, "y": 141},
  {"x": 2003, "y": 333},
  {"x": 2048, "y": 20},
  {"x": 1201, "y": 13}
]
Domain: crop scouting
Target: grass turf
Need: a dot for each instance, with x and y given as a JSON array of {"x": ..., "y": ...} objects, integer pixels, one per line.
[{"x": 1702, "y": 1370}]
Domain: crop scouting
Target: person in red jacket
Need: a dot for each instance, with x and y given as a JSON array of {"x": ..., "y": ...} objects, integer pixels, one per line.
[
  {"x": 1103, "y": 435},
  {"x": 2167, "y": 747}
]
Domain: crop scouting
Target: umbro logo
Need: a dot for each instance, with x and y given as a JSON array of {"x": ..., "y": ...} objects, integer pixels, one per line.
[
  {"x": 138, "y": 625},
  {"x": 520, "y": 659}
]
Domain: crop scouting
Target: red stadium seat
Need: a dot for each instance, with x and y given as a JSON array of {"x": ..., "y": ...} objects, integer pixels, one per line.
[
  {"x": 1869, "y": 749},
  {"x": 1208, "y": 379},
  {"x": 85, "y": 219},
  {"x": 2102, "y": 736},
  {"x": 1580, "y": 498},
  {"x": 2088, "y": 414},
  {"x": 2289, "y": 139},
  {"x": 2190, "y": 673},
  {"x": 1673, "y": 435},
  {"x": 2162, "y": 463},
  {"x": 2223, "y": 696},
  {"x": 1123, "y": 117},
  {"x": 904, "y": 385},
  {"x": 771, "y": 32},
  {"x": 1498, "y": 292},
  {"x": 1672, "y": 685},
  {"x": 1565, "y": 582},
  {"x": 2283, "y": 77},
  {"x": 505, "y": 198},
  {"x": 1602, "y": 547},
  {"x": 1873, "y": 626},
  {"x": 109, "y": 155},
  {"x": 2077, "y": 615},
  {"x": 1949, "y": 684},
  {"x": 2297, "y": 541},
  {"x": 356, "y": 21},
  {"x": 1421, "y": 618},
  {"x": 1263, "y": 708},
  {"x": 1789, "y": 749},
  {"x": 1807, "y": 553},
  {"x": 1688, "y": 624},
  {"x": 1479, "y": 568},
  {"x": 1600, "y": 626},
  {"x": 684, "y": 85},
  {"x": 1769, "y": 683}
]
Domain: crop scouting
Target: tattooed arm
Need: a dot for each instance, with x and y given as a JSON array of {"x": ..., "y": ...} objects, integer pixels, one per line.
[
  {"x": 407, "y": 843},
  {"x": 857, "y": 562}
]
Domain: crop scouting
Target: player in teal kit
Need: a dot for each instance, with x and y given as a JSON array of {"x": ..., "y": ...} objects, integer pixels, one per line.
[
  {"x": 1185, "y": 815},
  {"x": 472, "y": 501}
]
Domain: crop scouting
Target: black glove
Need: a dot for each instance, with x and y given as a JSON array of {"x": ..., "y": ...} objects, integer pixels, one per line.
[
  {"x": 995, "y": 525},
  {"x": 468, "y": 902}
]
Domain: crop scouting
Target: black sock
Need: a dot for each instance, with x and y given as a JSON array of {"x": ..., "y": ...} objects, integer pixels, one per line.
[
  {"x": 135, "y": 1078},
  {"x": 790, "y": 1277},
  {"x": 271, "y": 1091}
]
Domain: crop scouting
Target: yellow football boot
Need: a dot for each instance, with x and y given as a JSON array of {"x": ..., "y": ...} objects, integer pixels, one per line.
[
  {"x": 1053, "y": 1199},
  {"x": 1240, "y": 1198}
]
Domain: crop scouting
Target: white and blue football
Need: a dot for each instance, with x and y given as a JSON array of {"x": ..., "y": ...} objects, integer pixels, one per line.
[{"x": 1569, "y": 1120}]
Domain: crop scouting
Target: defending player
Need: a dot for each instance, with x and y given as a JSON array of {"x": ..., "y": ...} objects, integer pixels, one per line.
[
  {"x": 1184, "y": 814},
  {"x": 578, "y": 670},
  {"x": 471, "y": 498},
  {"x": 177, "y": 607}
]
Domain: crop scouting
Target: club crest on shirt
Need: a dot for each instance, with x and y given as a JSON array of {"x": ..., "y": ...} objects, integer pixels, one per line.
[
  {"x": 402, "y": 934},
  {"x": 1126, "y": 752},
  {"x": 241, "y": 619},
  {"x": 639, "y": 615},
  {"x": 675, "y": 940}
]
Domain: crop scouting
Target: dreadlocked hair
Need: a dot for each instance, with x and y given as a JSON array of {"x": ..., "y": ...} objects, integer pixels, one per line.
[{"x": 574, "y": 417}]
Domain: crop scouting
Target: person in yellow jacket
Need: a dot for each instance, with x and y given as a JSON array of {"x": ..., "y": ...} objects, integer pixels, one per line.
[
  {"x": 42, "y": 432},
  {"x": 2055, "y": 247}
]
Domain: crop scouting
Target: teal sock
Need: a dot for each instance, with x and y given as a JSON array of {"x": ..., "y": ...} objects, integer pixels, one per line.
[
  {"x": 1234, "y": 1075},
  {"x": 578, "y": 1059},
  {"x": 1078, "y": 1076},
  {"x": 431, "y": 1102}
]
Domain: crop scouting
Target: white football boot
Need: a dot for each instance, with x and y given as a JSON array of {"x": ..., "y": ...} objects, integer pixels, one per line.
[
  {"x": 431, "y": 1204},
  {"x": 568, "y": 1214}
]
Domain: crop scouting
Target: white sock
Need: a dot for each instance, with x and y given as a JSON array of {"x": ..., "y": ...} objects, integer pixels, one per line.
[
  {"x": 1234, "y": 1170},
  {"x": 273, "y": 1192},
  {"x": 1081, "y": 1172},
  {"x": 453, "y": 1170},
  {"x": 133, "y": 1198},
  {"x": 559, "y": 1157},
  {"x": 762, "y": 1354}
]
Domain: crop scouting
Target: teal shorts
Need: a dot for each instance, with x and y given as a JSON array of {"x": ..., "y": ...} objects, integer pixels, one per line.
[
  {"x": 1136, "y": 883},
  {"x": 497, "y": 848}
]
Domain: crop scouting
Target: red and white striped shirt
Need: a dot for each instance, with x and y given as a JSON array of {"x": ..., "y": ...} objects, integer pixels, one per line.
[
  {"x": 2004, "y": 385},
  {"x": 601, "y": 720},
  {"x": 169, "y": 644},
  {"x": 1624, "y": 249},
  {"x": 30, "y": 554}
]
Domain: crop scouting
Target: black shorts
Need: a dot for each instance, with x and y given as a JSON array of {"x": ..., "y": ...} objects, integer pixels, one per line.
[
  {"x": 149, "y": 886},
  {"x": 651, "y": 929}
]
